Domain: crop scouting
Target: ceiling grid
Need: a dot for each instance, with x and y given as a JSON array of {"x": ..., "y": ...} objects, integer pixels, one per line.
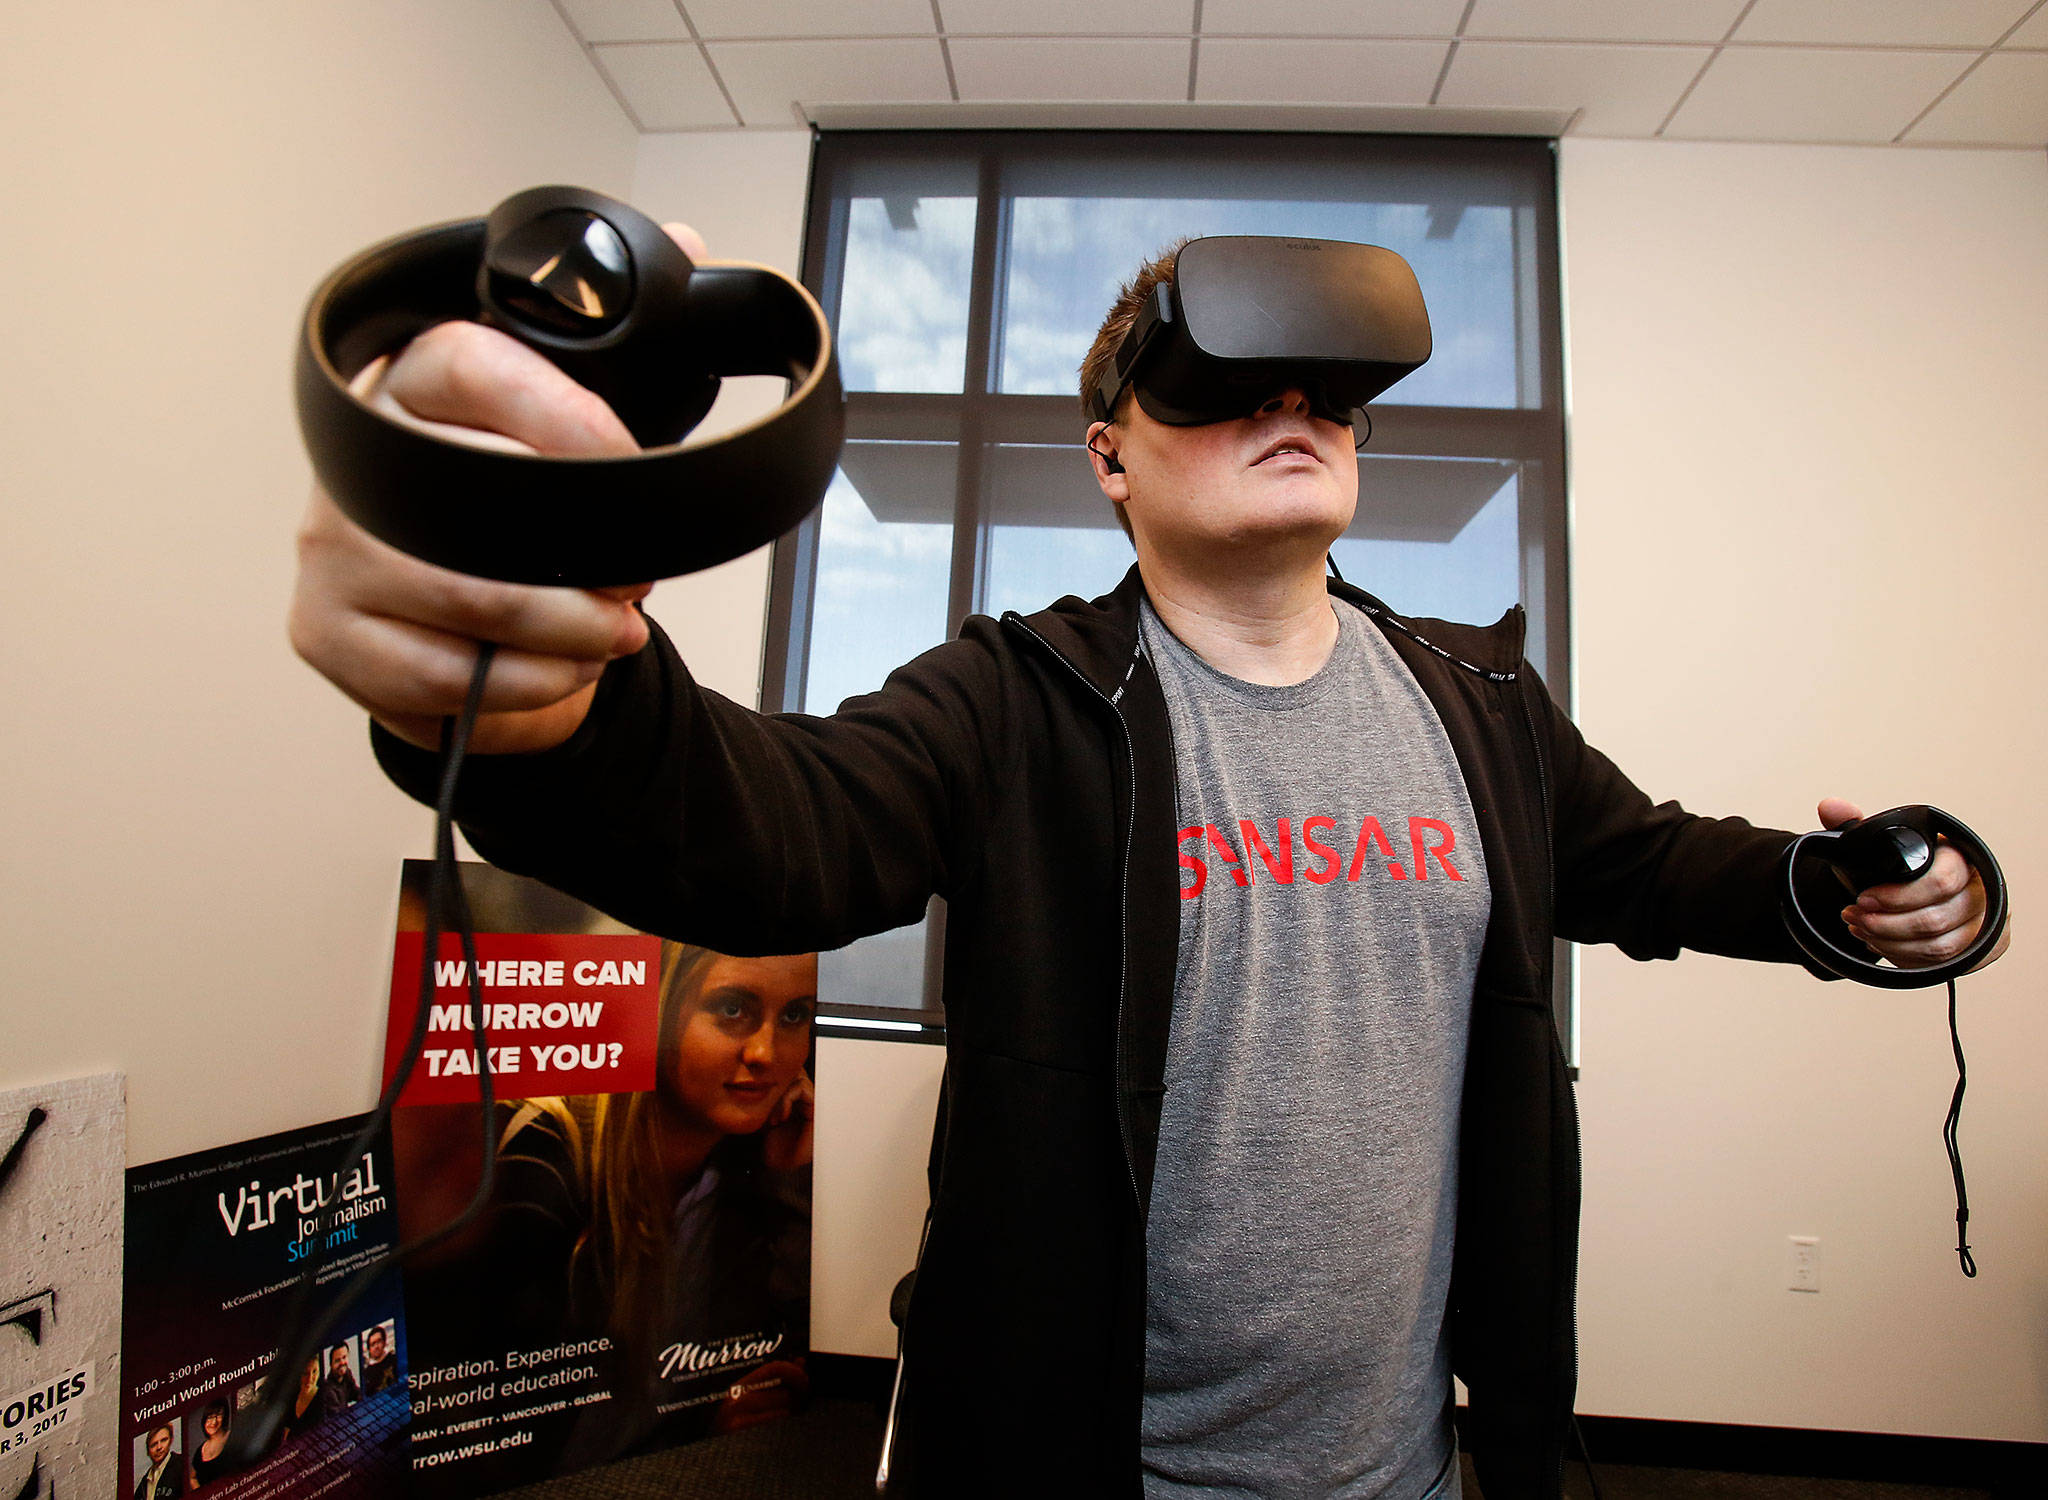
[{"x": 1897, "y": 72}]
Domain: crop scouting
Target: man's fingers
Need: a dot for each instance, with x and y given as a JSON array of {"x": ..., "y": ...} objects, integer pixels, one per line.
[
  {"x": 1835, "y": 811},
  {"x": 394, "y": 667},
  {"x": 691, "y": 241},
  {"x": 1930, "y": 932},
  {"x": 1949, "y": 875},
  {"x": 1960, "y": 910},
  {"x": 473, "y": 377},
  {"x": 345, "y": 571},
  {"x": 1926, "y": 952}
]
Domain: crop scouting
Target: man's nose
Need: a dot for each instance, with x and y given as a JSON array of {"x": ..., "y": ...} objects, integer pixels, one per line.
[{"x": 1293, "y": 400}]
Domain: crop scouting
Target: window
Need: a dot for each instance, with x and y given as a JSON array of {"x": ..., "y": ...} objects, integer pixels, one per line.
[{"x": 966, "y": 275}]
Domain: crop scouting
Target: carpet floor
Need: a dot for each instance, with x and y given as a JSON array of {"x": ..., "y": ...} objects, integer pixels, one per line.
[
  {"x": 828, "y": 1453},
  {"x": 825, "y": 1452}
]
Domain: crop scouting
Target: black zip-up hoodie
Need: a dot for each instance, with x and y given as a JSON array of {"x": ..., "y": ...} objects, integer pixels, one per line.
[{"x": 1024, "y": 771}]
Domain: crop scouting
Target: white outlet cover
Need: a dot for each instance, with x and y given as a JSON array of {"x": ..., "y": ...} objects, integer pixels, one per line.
[{"x": 1802, "y": 1263}]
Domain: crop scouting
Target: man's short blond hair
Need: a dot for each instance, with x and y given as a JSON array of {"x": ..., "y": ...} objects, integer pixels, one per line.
[{"x": 1097, "y": 369}]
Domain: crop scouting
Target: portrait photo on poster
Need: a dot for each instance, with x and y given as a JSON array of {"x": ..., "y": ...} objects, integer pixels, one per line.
[{"x": 642, "y": 1275}]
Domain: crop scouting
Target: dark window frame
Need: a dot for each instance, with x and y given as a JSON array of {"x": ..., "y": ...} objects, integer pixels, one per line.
[{"x": 1531, "y": 436}]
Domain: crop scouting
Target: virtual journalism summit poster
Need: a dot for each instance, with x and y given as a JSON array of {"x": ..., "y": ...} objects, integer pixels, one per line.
[{"x": 216, "y": 1244}]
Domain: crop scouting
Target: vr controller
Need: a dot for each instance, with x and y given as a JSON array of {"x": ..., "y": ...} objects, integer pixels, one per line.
[
  {"x": 1885, "y": 849},
  {"x": 602, "y": 291}
]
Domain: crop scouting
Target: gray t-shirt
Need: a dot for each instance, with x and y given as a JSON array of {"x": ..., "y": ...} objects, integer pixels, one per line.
[{"x": 1333, "y": 903}]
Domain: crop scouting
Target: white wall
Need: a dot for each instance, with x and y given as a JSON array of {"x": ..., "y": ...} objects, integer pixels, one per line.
[
  {"x": 876, "y": 1101},
  {"x": 1808, "y": 449},
  {"x": 201, "y": 857},
  {"x": 745, "y": 194}
]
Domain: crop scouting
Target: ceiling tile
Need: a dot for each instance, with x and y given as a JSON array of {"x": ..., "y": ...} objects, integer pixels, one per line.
[
  {"x": 2034, "y": 33},
  {"x": 1074, "y": 18},
  {"x": 2004, "y": 102},
  {"x": 1623, "y": 91},
  {"x": 800, "y": 18},
  {"x": 1606, "y": 20},
  {"x": 1332, "y": 18},
  {"x": 1813, "y": 94},
  {"x": 1343, "y": 72},
  {"x": 1069, "y": 69},
  {"x": 626, "y": 20},
  {"x": 1877, "y": 23},
  {"x": 767, "y": 78},
  {"x": 665, "y": 84}
]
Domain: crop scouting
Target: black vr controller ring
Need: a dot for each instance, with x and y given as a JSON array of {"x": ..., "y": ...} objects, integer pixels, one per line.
[
  {"x": 587, "y": 522},
  {"x": 1837, "y": 957}
]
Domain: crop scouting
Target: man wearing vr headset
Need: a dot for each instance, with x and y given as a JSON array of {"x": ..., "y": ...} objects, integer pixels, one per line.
[{"x": 1255, "y": 1126}]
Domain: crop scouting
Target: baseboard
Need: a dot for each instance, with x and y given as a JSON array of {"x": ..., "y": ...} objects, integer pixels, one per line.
[
  {"x": 2006, "y": 1469},
  {"x": 2009, "y": 1471}
]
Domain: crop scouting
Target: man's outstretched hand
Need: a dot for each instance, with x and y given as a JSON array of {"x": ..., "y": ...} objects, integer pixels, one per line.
[
  {"x": 1922, "y": 922},
  {"x": 399, "y": 635}
]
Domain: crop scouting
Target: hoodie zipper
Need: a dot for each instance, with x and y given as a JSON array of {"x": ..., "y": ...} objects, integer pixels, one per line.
[
  {"x": 1550, "y": 858},
  {"x": 1550, "y": 878},
  {"x": 1123, "y": 1124}
]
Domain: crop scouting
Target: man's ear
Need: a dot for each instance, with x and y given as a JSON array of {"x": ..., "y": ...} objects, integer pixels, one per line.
[{"x": 1109, "y": 471}]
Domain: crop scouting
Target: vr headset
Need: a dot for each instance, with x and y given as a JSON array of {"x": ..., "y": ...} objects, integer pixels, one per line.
[{"x": 1248, "y": 316}]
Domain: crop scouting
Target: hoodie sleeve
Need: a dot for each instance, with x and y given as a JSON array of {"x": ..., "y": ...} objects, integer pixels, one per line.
[
  {"x": 680, "y": 812},
  {"x": 1653, "y": 878}
]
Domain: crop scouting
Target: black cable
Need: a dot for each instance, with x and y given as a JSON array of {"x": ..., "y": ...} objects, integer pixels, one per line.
[
  {"x": 447, "y": 905},
  {"x": 1359, "y": 445},
  {"x": 1584, "y": 1457},
  {"x": 1948, "y": 1139}
]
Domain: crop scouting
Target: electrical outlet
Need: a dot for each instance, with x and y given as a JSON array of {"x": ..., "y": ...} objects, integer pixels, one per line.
[{"x": 1803, "y": 1263}]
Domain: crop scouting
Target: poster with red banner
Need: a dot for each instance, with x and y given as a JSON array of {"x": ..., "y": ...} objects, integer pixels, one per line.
[
  {"x": 566, "y": 1013},
  {"x": 641, "y": 1274}
]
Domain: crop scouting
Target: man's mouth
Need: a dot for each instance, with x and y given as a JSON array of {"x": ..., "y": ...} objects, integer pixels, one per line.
[{"x": 1287, "y": 445}]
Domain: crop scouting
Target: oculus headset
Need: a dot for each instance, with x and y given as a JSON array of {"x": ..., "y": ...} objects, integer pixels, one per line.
[{"x": 1246, "y": 315}]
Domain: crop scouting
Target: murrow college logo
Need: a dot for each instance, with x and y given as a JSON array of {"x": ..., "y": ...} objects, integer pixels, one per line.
[{"x": 686, "y": 1361}]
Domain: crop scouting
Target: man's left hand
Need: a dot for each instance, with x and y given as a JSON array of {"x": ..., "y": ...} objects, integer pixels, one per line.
[{"x": 1922, "y": 922}]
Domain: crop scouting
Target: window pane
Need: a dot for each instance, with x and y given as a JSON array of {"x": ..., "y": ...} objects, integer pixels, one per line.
[
  {"x": 1460, "y": 499},
  {"x": 1069, "y": 256},
  {"x": 1436, "y": 536},
  {"x": 903, "y": 296},
  {"x": 1052, "y": 533},
  {"x": 884, "y": 553},
  {"x": 885, "y": 543},
  {"x": 886, "y": 969}
]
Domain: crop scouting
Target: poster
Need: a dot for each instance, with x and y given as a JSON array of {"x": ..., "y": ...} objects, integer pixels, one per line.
[
  {"x": 643, "y": 1275},
  {"x": 62, "y": 1147},
  {"x": 216, "y": 1244}
]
